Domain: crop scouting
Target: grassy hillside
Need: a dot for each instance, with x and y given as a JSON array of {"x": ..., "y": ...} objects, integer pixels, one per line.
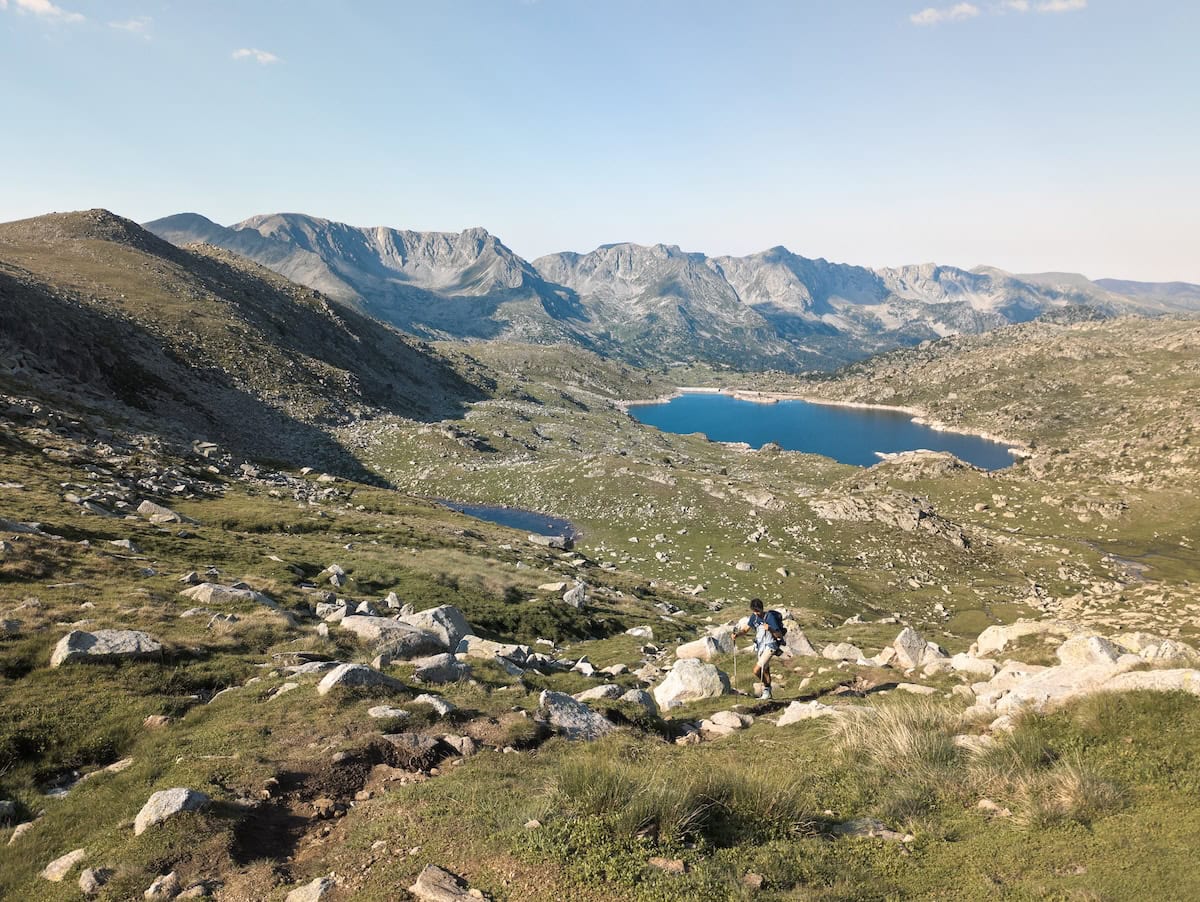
[
  {"x": 99, "y": 310},
  {"x": 900, "y": 786}
]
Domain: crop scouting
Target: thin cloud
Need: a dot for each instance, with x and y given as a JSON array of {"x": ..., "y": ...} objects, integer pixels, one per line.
[
  {"x": 139, "y": 25},
  {"x": 1061, "y": 6},
  {"x": 43, "y": 8},
  {"x": 933, "y": 15},
  {"x": 262, "y": 57},
  {"x": 960, "y": 12}
]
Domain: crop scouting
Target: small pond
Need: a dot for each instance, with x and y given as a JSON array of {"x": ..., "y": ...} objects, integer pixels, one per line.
[{"x": 515, "y": 518}]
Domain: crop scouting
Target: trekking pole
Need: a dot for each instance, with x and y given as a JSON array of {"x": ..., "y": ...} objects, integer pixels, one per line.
[{"x": 735, "y": 688}]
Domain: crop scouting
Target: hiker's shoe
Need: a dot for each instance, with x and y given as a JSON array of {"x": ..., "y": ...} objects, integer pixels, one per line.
[{"x": 766, "y": 693}]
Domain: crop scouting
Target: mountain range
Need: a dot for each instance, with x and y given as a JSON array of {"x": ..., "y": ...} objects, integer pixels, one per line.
[{"x": 657, "y": 305}]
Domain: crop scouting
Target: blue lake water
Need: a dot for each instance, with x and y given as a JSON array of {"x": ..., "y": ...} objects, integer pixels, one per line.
[
  {"x": 515, "y": 518},
  {"x": 851, "y": 435}
]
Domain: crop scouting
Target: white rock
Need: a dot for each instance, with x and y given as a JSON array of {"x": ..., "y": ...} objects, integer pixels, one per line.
[
  {"x": 356, "y": 675},
  {"x": 314, "y": 891},
  {"x": 439, "y": 705},
  {"x": 641, "y": 698},
  {"x": 443, "y": 668},
  {"x": 211, "y": 593},
  {"x": 164, "y": 887},
  {"x": 104, "y": 645},
  {"x": 688, "y": 681},
  {"x": 380, "y": 712},
  {"x": 995, "y": 638},
  {"x": 1083, "y": 651},
  {"x": 909, "y": 647},
  {"x": 167, "y": 803},
  {"x": 705, "y": 649},
  {"x": 798, "y": 711},
  {"x": 446, "y": 622},
  {"x": 57, "y": 870},
  {"x": 401, "y": 639},
  {"x": 842, "y": 651},
  {"x": 573, "y": 719},
  {"x": 964, "y": 663},
  {"x": 599, "y": 693}
]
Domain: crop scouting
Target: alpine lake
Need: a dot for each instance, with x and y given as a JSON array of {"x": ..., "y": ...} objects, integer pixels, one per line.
[{"x": 852, "y": 435}]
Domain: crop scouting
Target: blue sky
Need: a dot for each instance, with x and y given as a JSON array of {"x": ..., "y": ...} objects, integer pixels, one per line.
[{"x": 1026, "y": 134}]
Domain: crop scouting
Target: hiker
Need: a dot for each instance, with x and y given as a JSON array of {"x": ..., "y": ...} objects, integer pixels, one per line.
[{"x": 768, "y": 631}]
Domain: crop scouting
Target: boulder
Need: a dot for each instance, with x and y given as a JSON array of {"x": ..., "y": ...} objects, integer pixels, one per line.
[
  {"x": 795, "y": 643},
  {"x": 1056, "y": 685},
  {"x": 164, "y": 887},
  {"x": 798, "y": 711},
  {"x": 599, "y": 693},
  {"x": 92, "y": 880},
  {"x": 443, "y": 668},
  {"x": 842, "y": 651},
  {"x": 487, "y": 650},
  {"x": 446, "y": 622},
  {"x": 168, "y": 803},
  {"x": 440, "y": 706},
  {"x": 704, "y": 649},
  {"x": 571, "y": 718},
  {"x": 57, "y": 870},
  {"x": 642, "y": 699},
  {"x": 400, "y": 639},
  {"x": 349, "y": 675},
  {"x": 388, "y": 712},
  {"x": 436, "y": 884},
  {"x": 104, "y": 646},
  {"x": 560, "y": 543},
  {"x": 156, "y": 513},
  {"x": 640, "y": 632},
  {"x": 314, "y": 891},
  {"x": 688, "y": 681},
  {"x": 910, "y": 648},
  {"x": 964, "y": 663},
  {"x": 576, "y": 596},
  {"x": 1179, "y": 680},
  {"x": 211, "y": 593},
  {"x": 1084, "y": 651},
  {"x": 995, "y": 638}
]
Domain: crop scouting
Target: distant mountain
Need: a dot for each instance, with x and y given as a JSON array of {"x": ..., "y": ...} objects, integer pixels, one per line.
[
  {"x": 95, "y": 308},
  {"x": 433, "y": 284},
  {"x": 657, "y": 305},
  {"x": 1174, "y": 295}
]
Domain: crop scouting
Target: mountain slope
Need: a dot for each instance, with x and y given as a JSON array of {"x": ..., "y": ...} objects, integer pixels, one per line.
[{"x": 94, "y": 306}]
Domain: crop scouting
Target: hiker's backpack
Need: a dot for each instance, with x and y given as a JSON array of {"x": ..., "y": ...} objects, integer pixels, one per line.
[{"x": 775, "y": 624}]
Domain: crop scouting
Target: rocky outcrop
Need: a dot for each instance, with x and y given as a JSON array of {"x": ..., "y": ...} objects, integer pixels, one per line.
[{"x": 904, "y": 512}]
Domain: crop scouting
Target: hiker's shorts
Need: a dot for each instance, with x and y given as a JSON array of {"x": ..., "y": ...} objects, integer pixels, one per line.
[{"x": 764, "y": 657}]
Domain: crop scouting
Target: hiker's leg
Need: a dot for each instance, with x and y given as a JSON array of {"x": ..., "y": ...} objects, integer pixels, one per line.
[{"x": 763, "y": 668}]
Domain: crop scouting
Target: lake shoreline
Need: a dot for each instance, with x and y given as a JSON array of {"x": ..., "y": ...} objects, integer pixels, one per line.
[{"x": 1018, "y": 449}]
